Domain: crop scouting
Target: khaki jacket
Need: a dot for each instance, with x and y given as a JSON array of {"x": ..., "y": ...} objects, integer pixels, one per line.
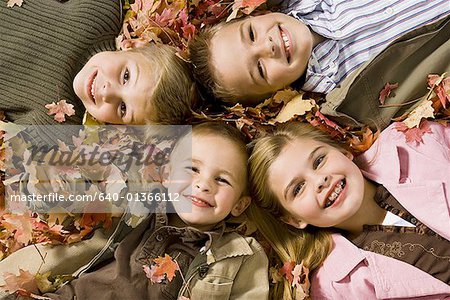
[
  {"x": 235, "y": 267},
  {"x": 407, "y": 61}
]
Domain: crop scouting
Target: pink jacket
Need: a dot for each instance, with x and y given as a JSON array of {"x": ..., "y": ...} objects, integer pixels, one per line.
[{"x": 418, "y": 176}]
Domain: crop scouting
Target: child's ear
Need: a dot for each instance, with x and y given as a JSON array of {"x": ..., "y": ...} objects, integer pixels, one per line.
[
  {"x": 294, "y": 222},
  {"x": 241, "y": 205}
]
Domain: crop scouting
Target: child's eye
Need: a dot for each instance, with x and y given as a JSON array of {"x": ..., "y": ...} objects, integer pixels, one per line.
[
  {"x": 298, "y": 189},
  {"x": 123, "y": 109},
  {"x": 318, "y": 161},
  {"x": 192, "y": 168},
  {"x": 126, "y": 76},
  {"x": 260, "y": 69},
  {"x": 251, "y": 34},
  {"x": 223, "y": 180}
]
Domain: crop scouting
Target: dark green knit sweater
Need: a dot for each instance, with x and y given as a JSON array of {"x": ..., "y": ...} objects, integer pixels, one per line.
[{"x": 43, "y": 45}]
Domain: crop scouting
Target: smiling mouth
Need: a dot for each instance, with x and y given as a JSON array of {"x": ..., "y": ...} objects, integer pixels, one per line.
[
  {"x": 199, "y": 202},
  {"x": 91, "y": 87},
  {"x": 287, "y": 46},
  {"x": 339, "y": 187}
]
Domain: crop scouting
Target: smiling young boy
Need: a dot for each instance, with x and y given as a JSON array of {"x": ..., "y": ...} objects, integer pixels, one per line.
[
  {"x": 64, "y": 50},
  {"x": 207, "y": 183},
  {"x": 317, "y": 43}
]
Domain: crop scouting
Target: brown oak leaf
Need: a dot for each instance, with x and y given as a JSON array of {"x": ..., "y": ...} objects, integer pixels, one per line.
[{"x": 60, "y": 110}]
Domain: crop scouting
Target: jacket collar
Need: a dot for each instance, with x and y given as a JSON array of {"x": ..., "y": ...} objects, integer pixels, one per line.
[
  {"x": 425, "y": 200},
  {"x": 345, "y": 257},
  {"x": 229, "y": 245},
  {"x": 346, "y": 254}
]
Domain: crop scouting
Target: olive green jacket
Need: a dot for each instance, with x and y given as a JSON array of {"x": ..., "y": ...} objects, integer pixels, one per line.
[{"x": 407, "y": 61}]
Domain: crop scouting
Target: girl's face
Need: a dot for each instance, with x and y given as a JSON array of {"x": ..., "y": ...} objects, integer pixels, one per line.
[
  {"x": 260, "y": 55},
  {"x": 115, "y": 87},
  {"x": 316, "y": 183},
  {"x": 210, "y": 182}
]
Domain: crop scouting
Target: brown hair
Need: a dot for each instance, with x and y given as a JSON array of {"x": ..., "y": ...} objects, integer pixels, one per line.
[
  {"x": 175, "y": 93},
  {"x": 311, "y": 245},
  {"x": 203, "y": 69}
]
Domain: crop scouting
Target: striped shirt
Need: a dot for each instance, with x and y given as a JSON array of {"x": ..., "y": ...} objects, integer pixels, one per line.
[{"x": 355, "y": 31}]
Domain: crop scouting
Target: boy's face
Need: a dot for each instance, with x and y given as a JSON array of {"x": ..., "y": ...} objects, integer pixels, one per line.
[
  {"x": 317, "y": 184},
  {"x": 210, "y": 182},
  {"x": 115, "y": 87},
  {"x": 260, "y": 55}
]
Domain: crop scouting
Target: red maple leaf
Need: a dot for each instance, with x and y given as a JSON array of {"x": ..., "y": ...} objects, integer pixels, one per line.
[
  {"x": 60, "y": 109},
  {"x": 386, "y": 91},
  {"x": 413, "y": 134}
]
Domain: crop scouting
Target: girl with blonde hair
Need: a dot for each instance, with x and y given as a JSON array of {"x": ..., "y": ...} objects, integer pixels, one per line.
[{"x": 390, "y": 205}]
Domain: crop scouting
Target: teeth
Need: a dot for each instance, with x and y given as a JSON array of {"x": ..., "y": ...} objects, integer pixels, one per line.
[
  {"x": 198, "y": 201},
  {"x": 286, "y": 43},
  {"x": 336, "y": 192},
  {"x": 92, "y": 87}
]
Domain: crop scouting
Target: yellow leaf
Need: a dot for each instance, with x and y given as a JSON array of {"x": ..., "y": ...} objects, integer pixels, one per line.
[
  {"x": 424, "y": 110},
  {"x": 295, "y": 107}
]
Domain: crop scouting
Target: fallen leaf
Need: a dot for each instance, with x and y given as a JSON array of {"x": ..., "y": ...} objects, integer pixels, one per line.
[
  {"x": 24, "y": 281},
  {"x": 11, "y": 3},
  {"x": 413, "y": 135},
  {"x": 287, "y": 269},
  {"x": 423, "y": 110},
  {"x": 165, "y": 265},
  {"x": 250, "y": 5},
  {"x": 60, "y": 109},
  {"x": 295, "y": 107},
  {"x": 301, "y": 281},
  {"x": 151, "y": 273},
  {"x": 275, "y": 275},
  {"x": 362, "y": 143},
  {"x": 386, "y": 91}
]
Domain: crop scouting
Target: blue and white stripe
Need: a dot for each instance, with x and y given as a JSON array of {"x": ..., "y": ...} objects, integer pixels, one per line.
[{"x": 357, "y": 30}]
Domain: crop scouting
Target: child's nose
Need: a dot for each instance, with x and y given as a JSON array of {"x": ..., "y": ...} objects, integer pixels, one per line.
[
  {"x": 203, "y": 185},
  {"x": 267, "y": 48},
  {"x": 323, "y": 181},
  {"x": 108, "y": 92}
]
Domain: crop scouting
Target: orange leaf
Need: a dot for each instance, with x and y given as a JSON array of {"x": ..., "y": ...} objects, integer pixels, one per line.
[{"x": 165, "y": 265}]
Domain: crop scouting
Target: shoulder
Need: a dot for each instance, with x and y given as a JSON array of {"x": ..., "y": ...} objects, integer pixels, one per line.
[{"x": 232, "y": 245}]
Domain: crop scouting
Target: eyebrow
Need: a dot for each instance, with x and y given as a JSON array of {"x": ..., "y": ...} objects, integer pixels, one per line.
[{"x": 292, "y": 182}]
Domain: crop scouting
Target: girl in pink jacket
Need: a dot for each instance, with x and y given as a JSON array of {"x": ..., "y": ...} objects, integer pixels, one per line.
[{"x": 387, "y": 211}]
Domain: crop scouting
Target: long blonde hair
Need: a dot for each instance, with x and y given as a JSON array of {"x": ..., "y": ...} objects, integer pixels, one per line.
[{"x": 311, "y": 245}]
